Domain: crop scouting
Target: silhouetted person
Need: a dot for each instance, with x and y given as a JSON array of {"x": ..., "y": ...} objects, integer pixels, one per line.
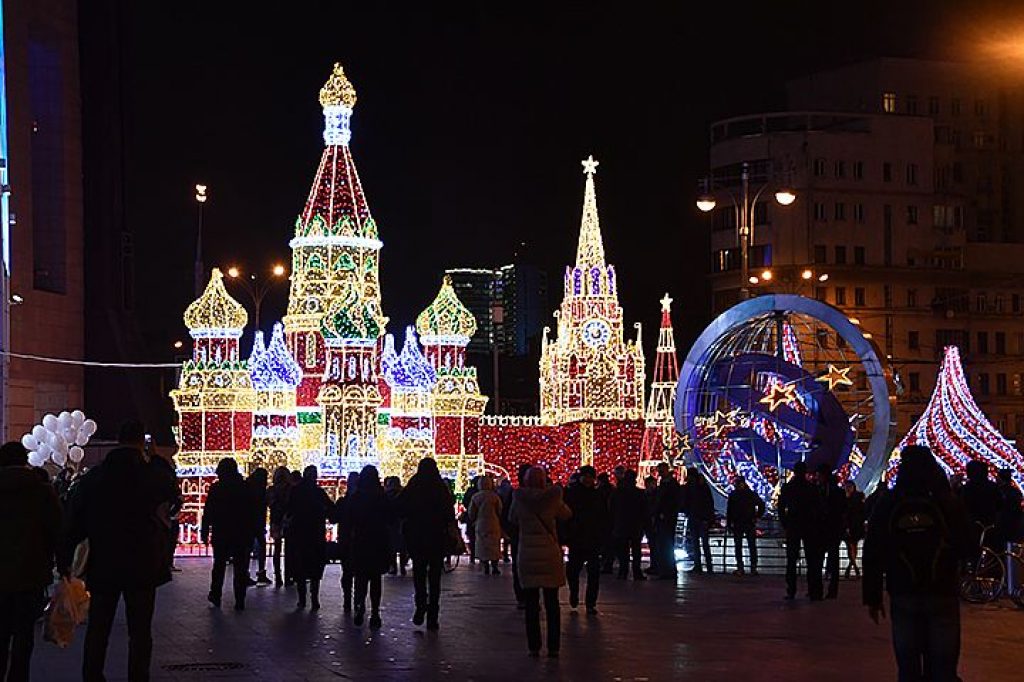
[
  {"x": 833, "y": 524},
  {"x": 229, "y": 514},
  {"x": 368, "y": 514},
  {"x": 120, "y": 506},
  {"x": 699, "y": 507},
  {"x": 257, "y": 483},
  {"x": 504, "y": 491},
  {"x": 348, "y": 573},
  {"x": 651, "y": 502},
  {"x": 485, "y": 516},
  {"x": 982, "y": 501},
  {"x": 915, "y": 540},
  {"x": 667, "y": 502},
  {"x": 277, "y": 502},
  {"x": 853, "y": 525},
  {"x": 512, "y": 530},
  {"x": 30, "y": 518},
  {"x": 629, "y": 518},
  {"x": 399, "y": 558},
  {"x": 536, "y": 508},
  {"x": 306, "y": 522},
  {"x": 609, "y": 552},
  {"x": 800, "y": 512},
  {"x": 585, "y": 534},
  {"x": 467, "y": 499},
  {"x": 428, "y": 509},
  {"x": 743, "y": 509},
  {"x": 1010, "y": 522}
]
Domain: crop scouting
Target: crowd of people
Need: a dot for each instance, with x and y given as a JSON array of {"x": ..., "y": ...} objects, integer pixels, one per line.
[{"x": 916, "y": 539}]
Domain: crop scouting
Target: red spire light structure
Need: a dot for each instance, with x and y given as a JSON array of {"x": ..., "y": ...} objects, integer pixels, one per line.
[
  {"x": 956, "y": 429},
  {"x": 661, "y": 442}
]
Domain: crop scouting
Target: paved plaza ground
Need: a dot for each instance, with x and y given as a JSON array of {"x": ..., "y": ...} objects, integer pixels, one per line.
[{"x": 701, "y": 628}]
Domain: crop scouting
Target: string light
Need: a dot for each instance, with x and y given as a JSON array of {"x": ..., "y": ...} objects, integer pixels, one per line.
[{"x": 661, "y": 442}]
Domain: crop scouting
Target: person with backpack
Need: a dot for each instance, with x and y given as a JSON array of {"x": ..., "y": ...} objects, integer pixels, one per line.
[
  {"x": 800, "y": 512},
  {"x": 743, "y": 510},
  {"x": 915, "y": 541}
]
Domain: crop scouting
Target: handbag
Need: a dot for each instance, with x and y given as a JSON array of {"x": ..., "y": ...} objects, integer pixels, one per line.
[{"x": 454, "y": 545}]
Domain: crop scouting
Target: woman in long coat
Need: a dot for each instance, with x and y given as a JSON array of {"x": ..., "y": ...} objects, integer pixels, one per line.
[
  {"x": 485, "y": 515},
  {"x": 368, "y": 514},
  {"x": 536, "y": 509},
  {"x": 306, "y": 535},
  {"x": 428, "y": 507}
]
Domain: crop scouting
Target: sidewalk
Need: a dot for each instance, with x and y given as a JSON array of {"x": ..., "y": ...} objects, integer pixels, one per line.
[{"x": 704, "y": 628}]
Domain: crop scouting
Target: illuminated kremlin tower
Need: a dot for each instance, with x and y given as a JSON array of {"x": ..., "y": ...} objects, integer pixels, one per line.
[
  {"x": 661, "y": 442},
  {"x": 445, "y": 328},
  {"x": 275, "y": 374},
  {"x": 334, "y": 319},
  {"x": 589, "y": 373}
]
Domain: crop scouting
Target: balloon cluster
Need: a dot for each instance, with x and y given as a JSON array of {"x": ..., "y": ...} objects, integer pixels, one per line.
[{"x": 59, "y": 438}]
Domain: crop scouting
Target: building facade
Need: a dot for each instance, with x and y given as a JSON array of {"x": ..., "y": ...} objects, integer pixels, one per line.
[{"x": 903, "y": 172}]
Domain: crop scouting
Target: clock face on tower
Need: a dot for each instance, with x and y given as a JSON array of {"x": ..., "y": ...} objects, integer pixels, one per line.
[{"x": 596, "y": 333}]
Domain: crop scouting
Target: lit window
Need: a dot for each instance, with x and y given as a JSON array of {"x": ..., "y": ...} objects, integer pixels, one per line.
[{"x": 889, "y": 102}]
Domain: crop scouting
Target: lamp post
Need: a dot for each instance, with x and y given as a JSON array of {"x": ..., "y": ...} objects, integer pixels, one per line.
[
  {"x": 744, "y": 207},
  {"x": 789, "y": 279},
  {"x": 257, "y": 287},
  {"x": 199, "y": 272}
]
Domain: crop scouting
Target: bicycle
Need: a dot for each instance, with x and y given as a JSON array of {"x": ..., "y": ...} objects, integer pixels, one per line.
[{"x": 985, "y": 580}]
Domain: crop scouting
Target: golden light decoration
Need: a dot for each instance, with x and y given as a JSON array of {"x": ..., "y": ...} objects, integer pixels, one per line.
[
  {"x": 446, "y": 317},
  {"x": 338, "y": 90},
  {"x": 723, "y": 421},
  {"x": 779, "y": 394},
  {"x": 215, "y": 309},
  {"x": 836, "y": 377}
]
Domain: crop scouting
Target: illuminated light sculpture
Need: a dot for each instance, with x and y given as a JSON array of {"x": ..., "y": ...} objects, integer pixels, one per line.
[
  {"x": 334, "y": 315},
  {"x": 214, "y": 400},
  {"x": 956, "y": 429},
  {"x": 661, "y": 442},
  {"x": 275, "y": 374},
  {"x": 588, "y": 372},
  {"x": 445, "y": 327},
  {"x": 408, "y": 435}
]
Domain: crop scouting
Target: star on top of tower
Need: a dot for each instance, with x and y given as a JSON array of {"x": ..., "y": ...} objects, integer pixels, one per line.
[
  {"x": 590, "y": 165},
  {"x": 666, "y": 303},
  {"x": 590, "y": 250}
]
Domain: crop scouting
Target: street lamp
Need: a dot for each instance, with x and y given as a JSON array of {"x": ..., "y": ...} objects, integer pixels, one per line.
[
  {"x": 199, "y": 272},
  {"x": 791, "y": 279},
  {"x": 257, "y": 287},
  {"x": 744, "y": 208}
]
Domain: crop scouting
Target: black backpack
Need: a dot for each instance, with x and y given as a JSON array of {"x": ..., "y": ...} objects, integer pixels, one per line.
[{"x": 919, "y": 537}]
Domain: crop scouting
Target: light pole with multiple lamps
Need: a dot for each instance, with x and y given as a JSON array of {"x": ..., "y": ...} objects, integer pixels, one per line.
[
  {"x": 257, "y": 287},
  {"x": 744, "y": 207}
]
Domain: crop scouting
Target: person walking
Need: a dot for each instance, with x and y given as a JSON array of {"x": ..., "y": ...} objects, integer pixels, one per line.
[
  {"x": 651, "y": 503},
  {"x": 536, "y": 508},
  {"x": 485, "y": 515},
  {"x": 428, "y": 509},
  {"x": 629, "y": 518},
  {"x": 229, "y": 514},
  {"x": 700, "y": 514},
  {"x": 833, "y": 500},
  {"x": 800, "y": 511},
  {"x": 368, "y": 514},
  {"x": 277, "y": 502},
  {"x": 743, "y": 509},
  {"x": 396, "y": 539},
  {"x": 306, "y": 537},
  {"x": 586, "y": 531},
  {"x": 511, "y": 527},
  {"x": 504, "y": 491},
  {"x": 853, "y": 525},
  {"x": 119, "y": 506},
  {"x": 30, "y": 520},
  {"x": 467, "y": 499},
  {"x": 915, "y": 541},
  {"x": 982, "y": 500},
  {"x": 348, "y": 573},
  {"x": 1010, "y": 522},
  {"x": 609, "y": 551},
  {"x": 666, "y": 514},
  {"x": 257, "y": 483}
]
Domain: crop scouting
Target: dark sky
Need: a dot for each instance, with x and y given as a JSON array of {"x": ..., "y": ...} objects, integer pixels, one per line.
[{"x": 468, "y": 131}]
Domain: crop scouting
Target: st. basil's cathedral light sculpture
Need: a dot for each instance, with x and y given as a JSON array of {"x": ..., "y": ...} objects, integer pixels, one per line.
[{"x": 275, "y": 431}]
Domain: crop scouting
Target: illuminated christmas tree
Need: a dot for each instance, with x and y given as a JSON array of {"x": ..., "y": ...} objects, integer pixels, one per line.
[
  {"x": 589, "y": 372},
  {"x": 445, "y": 328},
  {"x": 275, "y": 374},
  {"x": 661, "y": 441},
  {"x": 334, "y": 315},
  {"x": 956, "y": 429}
]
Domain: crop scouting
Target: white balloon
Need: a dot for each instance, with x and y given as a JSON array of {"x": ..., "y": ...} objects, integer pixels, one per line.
[
  {"x": 64, "y": 421},
  {"x": 50, "y": 422},
  {"x": 59, "y": 458},
  {"x": 39, "y": 431},
  {"x": 76, "y": 454},
  {"x": 44, "y": 450},
  {"x": 89, "y": 427},
  {"x": 81, "y": 439},
  {"x": 77, "y": 417},
  {"x": 36, "y": 459},
  {"x": 59, "y": 443},
  {"x": 29, "y": 441}
]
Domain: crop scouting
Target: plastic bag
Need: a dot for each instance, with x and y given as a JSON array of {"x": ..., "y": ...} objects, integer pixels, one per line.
[{"x": 68, "y": 608}]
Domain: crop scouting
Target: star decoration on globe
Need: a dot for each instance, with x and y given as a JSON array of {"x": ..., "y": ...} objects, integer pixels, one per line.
[
  {"x": 721, "y": 421},
  {"x": 590, "y": 165},
  {"x": 684, "y": 442},
  {"x": 780, "y": 394},
  {"x": 836, "y": 377}
]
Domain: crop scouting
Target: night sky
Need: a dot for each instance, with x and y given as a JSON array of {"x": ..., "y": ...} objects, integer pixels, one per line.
[{"x": 468, "y": 132}]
